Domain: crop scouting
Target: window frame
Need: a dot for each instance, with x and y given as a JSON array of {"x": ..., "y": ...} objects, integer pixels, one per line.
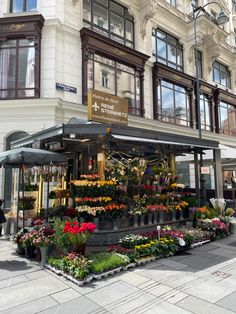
[
  {"x": 204, "y": 99},
  {"x": 110, "y": 11},
  {"x": 24, "y": 27},
  {"x": 94, "y": 43},
  {"x": 226, "y": 106},
  {"x": 169, "y": 41},
  {"x": 175, "y": 91},
  {"x": 221, "y": 69}
]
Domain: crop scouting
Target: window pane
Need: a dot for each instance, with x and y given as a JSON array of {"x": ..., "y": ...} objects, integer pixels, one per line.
[
  {"x": 171, "y": 54},
  {"x": 26, "y": 42},
  {"x": 167, "y": 102},
  {"x": 161, "y": 49},
  {"x": 87, "y": 10},
  {"x": 7, "y": 69},
  {"x": 223, "y": 118},
  {"x": 161, "y": 35},
  {"x": 100, "y": 17},
  {"x": 103, "y": 2},
  {"x": 31, "y": 5},
  {"x": 223, "y": 79},
  {"x": 99, "y": 69},
  {"x": 7, "y": 94},
  {"x": 118, "y": 39},
  {"x": 26, "y": 71},
  {"x": 17, "y": 6},
  {"x": 117, "y": 24},
  {"x": 216, "y": 74},
  {"x": 180, "y": 103},
  {"x": 26, "y": 93},
  {"x": 117, "y": 8},
  {"x": 8, "y": 43},
  {"x": 154, "y": 45},
  {"x": 179, "y": 57},
  {"x": 90, "y": 74},
  {"x": 129, "y": 30},
  {"x": 125, "y": 87}
]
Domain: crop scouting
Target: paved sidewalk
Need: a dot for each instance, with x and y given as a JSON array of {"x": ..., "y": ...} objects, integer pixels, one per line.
[{"x": 202, "y": 280}]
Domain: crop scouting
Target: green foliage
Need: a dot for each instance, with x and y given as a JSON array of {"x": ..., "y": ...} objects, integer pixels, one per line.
[
  {"x": 27, "y": 203},
  {"x": 105, "y": 261}
]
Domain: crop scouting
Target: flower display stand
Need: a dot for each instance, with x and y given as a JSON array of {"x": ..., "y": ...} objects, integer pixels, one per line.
[{"x": 43, "y": 251}]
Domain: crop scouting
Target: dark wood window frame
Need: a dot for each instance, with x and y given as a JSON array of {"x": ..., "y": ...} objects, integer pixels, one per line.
[
  {"x": 25, "y": 27},
  {"x": 95, "y": 43},
  {"x": 163, "y": 72},
  {"x": 221, "y": 95}
]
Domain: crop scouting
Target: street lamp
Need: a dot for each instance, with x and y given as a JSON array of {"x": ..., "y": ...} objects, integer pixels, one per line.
[{"x": 221, "y": 20}]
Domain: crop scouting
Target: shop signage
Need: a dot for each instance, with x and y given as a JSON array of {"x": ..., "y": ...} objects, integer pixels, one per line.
[
  {"x": 205, "y": 170},
  {"x": 105, "y": 108},
  {"x": 66, "y": 88}
]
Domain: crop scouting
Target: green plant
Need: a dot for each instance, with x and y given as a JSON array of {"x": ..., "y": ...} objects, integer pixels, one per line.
[
  {"x": 31, "y": 187},
  {"x": 131, "y": 240},
  {"x": 27, "y": 202},
  {"x": 106, "y": 261}
]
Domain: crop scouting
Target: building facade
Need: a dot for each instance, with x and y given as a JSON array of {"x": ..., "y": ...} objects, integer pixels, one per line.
[{"x": 53, "y": 52}]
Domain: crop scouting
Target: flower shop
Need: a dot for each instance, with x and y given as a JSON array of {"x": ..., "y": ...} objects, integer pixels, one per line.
[{"x": 119, "y": 202}]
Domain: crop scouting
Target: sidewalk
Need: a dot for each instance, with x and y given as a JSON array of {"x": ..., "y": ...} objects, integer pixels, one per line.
[{"x": 202, "y": 280}]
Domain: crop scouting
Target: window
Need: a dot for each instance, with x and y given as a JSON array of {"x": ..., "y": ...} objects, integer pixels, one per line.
[
  {"x": 221, "y": 74},
  {"x": 173, "y": 104},
  {"x": 23, "y": 6},
  {"x": 167, "y": 49},
  {"x": 199, "y": 62},
  {"x": 234, "y": 5},
  {"x": 20, "y": 56},
  {"x": 205, "y": 111},
  {"x": 172, "y": 2},
  {"x": 109, "y": 19},
  {"x": 117, "y": 79},
  {"x": 17, "y": 69},
  {"x": 227, "y": 118}
]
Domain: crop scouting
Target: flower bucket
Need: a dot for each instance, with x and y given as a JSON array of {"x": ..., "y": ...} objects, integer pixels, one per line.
[
  {"x": 43, "y": 251},
  {"x": 19, "y": 249},
  {"x": 79, "y": 248},
  {"x": 30, "y": 251}
]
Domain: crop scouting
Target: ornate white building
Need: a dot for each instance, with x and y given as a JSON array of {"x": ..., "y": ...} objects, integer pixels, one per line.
[{"x": 53, "y": 52}]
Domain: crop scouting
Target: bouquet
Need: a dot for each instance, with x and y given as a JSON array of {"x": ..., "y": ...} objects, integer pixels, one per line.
[{"x": 44, "y": 237}]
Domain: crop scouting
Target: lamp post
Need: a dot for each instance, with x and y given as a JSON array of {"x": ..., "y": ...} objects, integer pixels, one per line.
[{"x": 221, "y": 20}]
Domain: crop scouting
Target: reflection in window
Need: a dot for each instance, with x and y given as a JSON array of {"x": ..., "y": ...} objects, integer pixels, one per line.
[
  {"x": 17, "y": 69},
  {"x": 109, "y": 19},
  {"x": 173, "y": 104},
  {"x": 115, "y": 78},
  {"x": 199, "y": 62},
  {"x": 17, "y": 6},
  {"x": 205, "y": 111},
  {"x": 167, "y": 49},
  {"x": 172, "y": 2},
  {"x": 221, "y": 74},
  {"x": 227, "y": 118}
]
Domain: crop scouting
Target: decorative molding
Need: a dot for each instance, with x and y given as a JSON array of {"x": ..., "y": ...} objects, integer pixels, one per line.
[{"x": 148, "y": 12}]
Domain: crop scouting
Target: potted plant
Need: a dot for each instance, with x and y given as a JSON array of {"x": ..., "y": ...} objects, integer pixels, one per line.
[
  {"x": 17, "y": 239},
  {"x": 43, "y": 239},
  {"x": 27, "y": 242},
  {"x": 73, "y": 235}
]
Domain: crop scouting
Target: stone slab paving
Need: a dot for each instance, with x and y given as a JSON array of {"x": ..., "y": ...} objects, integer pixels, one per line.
[{"x": 201, "y": 281}]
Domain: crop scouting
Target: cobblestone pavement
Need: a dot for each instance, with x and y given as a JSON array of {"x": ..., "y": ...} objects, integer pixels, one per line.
[{"x": 202, "y": 281}]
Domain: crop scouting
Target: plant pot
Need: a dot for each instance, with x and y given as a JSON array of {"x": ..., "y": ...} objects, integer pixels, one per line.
[
  {"x": 142, "y": 217},
  {"x": 43, "y": 251},
  {"x": 161, "y": 217},
  {"x": 174, "y": 215},
  {"x": 30, "y": 251},
  {"x": 150, "y": 216},
  {"x": 79, "y": 248},
  {"x": 155, "y": 218},
  {"x": 115, "y": 225},
  {"x": 135, "y": 217},
  {"x": 19, "y": 249}
]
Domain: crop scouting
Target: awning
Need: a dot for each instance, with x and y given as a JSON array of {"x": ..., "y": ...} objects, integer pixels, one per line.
[{"x": 149, "y": 140}]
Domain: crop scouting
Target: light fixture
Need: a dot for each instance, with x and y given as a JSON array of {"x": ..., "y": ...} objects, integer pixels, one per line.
[{"x": 222, "y": 18}]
